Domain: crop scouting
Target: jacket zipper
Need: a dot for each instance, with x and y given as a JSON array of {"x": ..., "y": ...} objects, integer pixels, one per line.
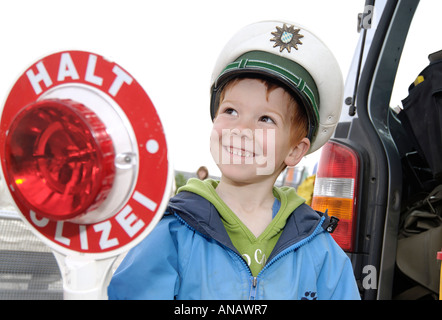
[
  {"x": 252, "y": 295},
  {"x": 253, "y": 279},
  {"x": 280, "y": 255},
  {"x": 295, "y": 246}
]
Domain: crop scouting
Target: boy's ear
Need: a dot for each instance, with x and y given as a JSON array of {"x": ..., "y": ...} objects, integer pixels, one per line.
[{"x": 297, "y": 153}]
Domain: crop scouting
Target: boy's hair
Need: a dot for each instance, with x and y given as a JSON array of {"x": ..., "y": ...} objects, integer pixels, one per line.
[{"x": 299, "y": 120}]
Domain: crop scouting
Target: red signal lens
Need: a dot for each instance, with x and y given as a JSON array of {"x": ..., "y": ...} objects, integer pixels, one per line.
[{"x": 59, "y": 159}]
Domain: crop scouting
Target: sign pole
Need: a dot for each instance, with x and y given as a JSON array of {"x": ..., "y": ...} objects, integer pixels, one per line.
[{"x": 84, "y": 278}]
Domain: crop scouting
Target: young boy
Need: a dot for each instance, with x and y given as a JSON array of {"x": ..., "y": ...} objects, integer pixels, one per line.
[{"x": 274, "y": 99}]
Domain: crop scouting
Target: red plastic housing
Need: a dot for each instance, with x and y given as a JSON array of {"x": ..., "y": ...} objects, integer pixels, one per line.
[{"x": 59, "y": 159}]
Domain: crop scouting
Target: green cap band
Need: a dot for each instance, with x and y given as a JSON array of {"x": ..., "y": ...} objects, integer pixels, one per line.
[{"x": 294, "y": 76}]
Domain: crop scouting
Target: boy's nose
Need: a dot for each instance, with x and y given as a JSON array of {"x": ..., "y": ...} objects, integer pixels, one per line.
[
  {"x": 244, "y": 127},
  {"x": 242, "y": 132}
]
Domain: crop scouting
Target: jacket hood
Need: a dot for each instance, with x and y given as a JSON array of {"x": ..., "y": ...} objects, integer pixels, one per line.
[
  {"x": 197, "y": 204},
  {"x": 288, "y": 197}
]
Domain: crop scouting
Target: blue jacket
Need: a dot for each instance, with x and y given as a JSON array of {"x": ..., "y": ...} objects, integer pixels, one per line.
[{"x": 190, "y": 256}]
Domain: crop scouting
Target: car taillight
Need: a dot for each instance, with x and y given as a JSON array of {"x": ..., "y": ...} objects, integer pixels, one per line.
[
  {"x": 60, "y": 159},
  {"x": 335, "y": 190}
]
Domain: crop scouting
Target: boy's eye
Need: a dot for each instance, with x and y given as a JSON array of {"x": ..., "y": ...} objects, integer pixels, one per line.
[
  {"x": 267, "y": 119},
  {"x": 231, "y": 111}
]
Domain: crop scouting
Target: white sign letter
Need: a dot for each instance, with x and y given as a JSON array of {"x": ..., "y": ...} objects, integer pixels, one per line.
[
  {"x": 122, "y": 77},
  {"x": 126, "y": 219},
  {"x": 145, "y": 201},
  {"x": 43, "y": 222},
  {"x": 90, "y": 77},
  {"x": 83, "y": 238},
  {"x": 58, "y": 234},
  {"x": 105, "y": 228},
  {"x": 67, "y": 68},
  {"x": 36, "y": 78}
]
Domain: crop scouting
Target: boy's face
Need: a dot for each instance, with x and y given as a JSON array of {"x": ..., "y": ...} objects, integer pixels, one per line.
[{"x": 251, "y": 132}]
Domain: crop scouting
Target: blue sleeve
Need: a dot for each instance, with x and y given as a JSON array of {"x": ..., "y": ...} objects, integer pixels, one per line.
[
  {"x": 150, "y": 270},
  {"x": 336, "y": 279}
]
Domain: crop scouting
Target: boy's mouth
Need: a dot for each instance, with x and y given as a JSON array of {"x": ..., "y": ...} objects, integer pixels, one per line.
[{"x": 240, "y": 152}]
